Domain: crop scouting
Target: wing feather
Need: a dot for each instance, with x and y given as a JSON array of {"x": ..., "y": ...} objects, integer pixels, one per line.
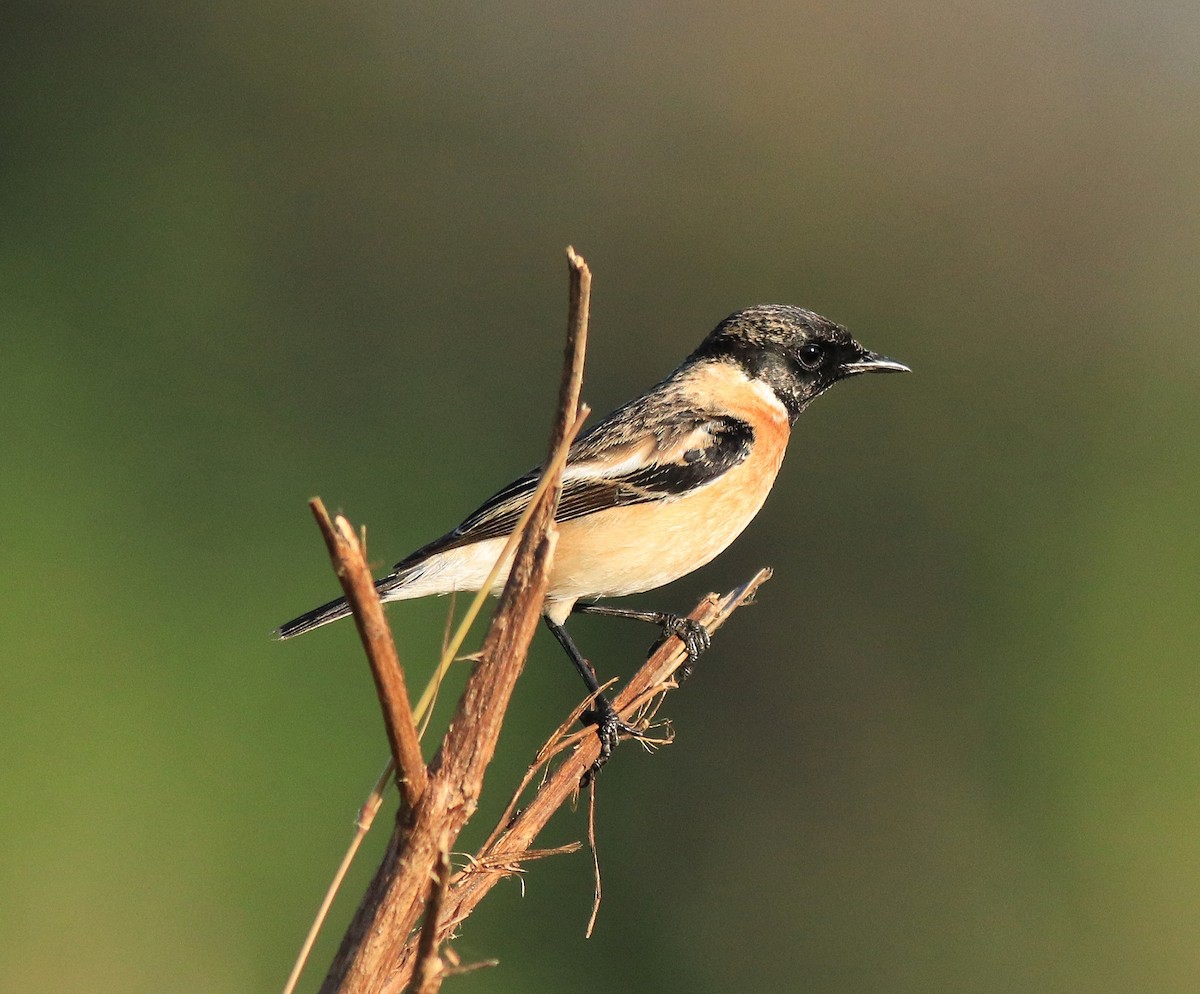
[{"x": 608, "y": 468}]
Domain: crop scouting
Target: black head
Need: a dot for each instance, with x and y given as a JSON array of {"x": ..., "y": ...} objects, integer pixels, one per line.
[{"x": 795, "y": 352}]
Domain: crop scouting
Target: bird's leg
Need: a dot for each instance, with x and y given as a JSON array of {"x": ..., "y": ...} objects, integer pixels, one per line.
[
  {"x": 694, "y": 636},
  {"x": 602, "y": 714}
]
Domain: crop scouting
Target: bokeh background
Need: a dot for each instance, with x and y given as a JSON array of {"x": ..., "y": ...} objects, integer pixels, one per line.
[{"x": 253, "y": 252}]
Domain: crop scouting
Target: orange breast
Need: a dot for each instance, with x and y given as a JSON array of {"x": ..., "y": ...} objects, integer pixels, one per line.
[{"x": 627, "y": 550}]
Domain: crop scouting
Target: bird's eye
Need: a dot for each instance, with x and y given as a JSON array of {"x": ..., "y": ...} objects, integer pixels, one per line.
[{"x": 811, "y": 355}]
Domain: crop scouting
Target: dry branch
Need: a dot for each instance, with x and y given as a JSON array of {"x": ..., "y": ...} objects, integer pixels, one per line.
[
  {"x": 427, "y": 978},
  {"x": 350, "y": 565},
  {"x": 514, "y": 837},
  {"x": 382, "y": 927}
]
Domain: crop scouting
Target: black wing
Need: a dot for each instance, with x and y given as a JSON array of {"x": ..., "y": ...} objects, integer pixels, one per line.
[{"x": 611, "y": 467}]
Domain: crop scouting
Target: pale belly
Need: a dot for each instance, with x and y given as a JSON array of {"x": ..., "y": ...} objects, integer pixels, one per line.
[
  {"x": 631, "y": 549},
  {"x": 625, "y": 550}
]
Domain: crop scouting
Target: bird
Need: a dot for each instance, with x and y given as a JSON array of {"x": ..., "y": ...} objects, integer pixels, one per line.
[{"x": 655, "y": 490}]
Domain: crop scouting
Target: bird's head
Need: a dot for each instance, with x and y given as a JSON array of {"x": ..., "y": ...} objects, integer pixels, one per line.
[{"x": 795, "y": 352}]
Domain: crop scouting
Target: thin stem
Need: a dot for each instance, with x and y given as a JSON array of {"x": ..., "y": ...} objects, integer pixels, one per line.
[{"x": 352, "y": 571}]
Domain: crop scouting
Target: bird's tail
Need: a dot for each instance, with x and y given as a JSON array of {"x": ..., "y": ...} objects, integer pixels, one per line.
[{"x": 333, "y": 611}]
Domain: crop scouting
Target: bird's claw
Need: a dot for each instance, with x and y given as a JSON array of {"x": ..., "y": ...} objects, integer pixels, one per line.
[
  {"x": 695, "y": 637},
  {"x": 609, "y": 729}
]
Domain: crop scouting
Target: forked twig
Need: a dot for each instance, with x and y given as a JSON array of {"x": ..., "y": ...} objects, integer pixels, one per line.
[
  {"x": 521, "y": 824},
  {"x": 379, "y": 934}
]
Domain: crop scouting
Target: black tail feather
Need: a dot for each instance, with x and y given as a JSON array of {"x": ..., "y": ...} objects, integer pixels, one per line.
[
  {"x": 315, "y": 618},
  {"x": 333, "y": 611}
]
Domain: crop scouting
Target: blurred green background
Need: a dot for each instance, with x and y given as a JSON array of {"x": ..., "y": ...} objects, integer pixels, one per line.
[{"x": 255, "y": 252}]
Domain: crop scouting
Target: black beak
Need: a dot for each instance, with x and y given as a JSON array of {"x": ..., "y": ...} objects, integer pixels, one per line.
[{"x": 870, "y": 362}]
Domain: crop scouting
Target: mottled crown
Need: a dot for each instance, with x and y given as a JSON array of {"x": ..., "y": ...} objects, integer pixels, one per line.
[{"x": 766, "y": 325}]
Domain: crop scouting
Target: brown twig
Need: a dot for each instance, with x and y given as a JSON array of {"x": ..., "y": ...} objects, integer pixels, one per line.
[
  {"x": 362, "y": 825},
  {"x": 352, "y": 571},
  {"x": 380, "y": 931},
  {"x": 595, "y": 851},
  {"x": 516, "y": 833},
  {"x": 427, "y": 977},
  {"x": 578, "y": 308}
]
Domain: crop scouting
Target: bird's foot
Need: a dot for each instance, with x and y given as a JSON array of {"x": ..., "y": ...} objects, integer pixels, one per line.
[
  {"x": 609, "y": 729},
  {"x": 695, "y": 637}
]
